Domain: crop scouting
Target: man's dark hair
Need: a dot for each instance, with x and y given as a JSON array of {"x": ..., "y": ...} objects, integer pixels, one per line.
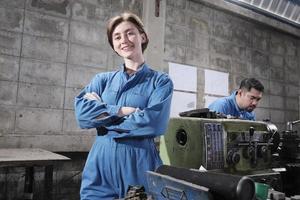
[{"x": 249, "y": 83}]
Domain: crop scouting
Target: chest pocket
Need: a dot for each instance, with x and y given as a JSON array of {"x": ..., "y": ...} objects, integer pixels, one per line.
[
  {"x": 136, "y": 100},
  {"x": 109, "y": 96}
]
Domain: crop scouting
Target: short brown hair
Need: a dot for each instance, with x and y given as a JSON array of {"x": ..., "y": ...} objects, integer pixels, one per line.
[{"x": 126, "y": 16}]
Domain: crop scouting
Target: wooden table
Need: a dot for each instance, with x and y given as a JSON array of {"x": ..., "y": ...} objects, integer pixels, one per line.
[{"x": 29, "y": 158}]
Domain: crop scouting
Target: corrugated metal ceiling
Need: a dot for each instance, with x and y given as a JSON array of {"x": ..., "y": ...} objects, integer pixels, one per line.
[{"x": 284, "y": 10}]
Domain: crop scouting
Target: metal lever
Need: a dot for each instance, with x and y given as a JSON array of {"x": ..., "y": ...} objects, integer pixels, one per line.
[
  {"x": 251, "y": 132},
  {"x": 253, "y": 147},
  {"x": 290, "y": 124}
]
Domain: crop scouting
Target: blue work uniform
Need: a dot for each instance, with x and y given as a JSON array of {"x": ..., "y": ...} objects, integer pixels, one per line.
[
  {"x": 124, "y": 148},
  {"x": 228, "y": 106}
]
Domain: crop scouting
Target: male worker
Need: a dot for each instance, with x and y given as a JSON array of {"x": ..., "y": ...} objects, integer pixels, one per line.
[{"x": 242, "y": 102}]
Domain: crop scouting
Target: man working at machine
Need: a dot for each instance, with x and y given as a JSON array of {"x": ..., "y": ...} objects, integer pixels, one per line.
[{"x": 242, "y": 102}]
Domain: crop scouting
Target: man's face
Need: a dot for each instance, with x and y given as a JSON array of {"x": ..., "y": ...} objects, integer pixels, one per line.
[{"x": 248, "y": 100}]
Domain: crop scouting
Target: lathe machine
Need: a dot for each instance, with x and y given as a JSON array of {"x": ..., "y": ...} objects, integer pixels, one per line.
[
  {"x": 253, "y": 149},
  {"x": 235, "y": 146},
  {"x": 237, "y": 155}
]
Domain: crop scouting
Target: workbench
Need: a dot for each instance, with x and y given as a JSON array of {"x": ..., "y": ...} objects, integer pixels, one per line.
[{"x": 30, "y": 158}]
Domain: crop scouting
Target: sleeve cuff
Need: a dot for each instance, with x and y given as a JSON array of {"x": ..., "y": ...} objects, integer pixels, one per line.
[{"x": 113, "y": 110}]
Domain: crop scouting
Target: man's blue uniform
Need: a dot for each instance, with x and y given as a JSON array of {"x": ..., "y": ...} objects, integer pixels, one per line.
[
  {"x": 228, "y": 106},
  {"x": 126, "y": 149}
]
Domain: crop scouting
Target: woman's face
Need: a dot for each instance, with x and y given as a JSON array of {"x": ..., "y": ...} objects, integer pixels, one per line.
[{"x": 127, "y": 40}]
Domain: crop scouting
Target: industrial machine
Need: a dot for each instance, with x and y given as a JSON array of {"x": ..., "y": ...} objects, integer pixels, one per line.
[
  {"x": 255, "y": 149},
  {"x": 233, "y": 145},
  {"x": 289, "y": 148},
  {"x": 242, "y": 160}
]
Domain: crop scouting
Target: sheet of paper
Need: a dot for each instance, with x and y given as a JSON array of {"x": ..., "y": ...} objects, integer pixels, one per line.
[
  {"x": 209, "y": 100},
  {"x": 216, "y": 83},
  {"x": 184, "y": 77},
  {"x": 182, "y": 101}
]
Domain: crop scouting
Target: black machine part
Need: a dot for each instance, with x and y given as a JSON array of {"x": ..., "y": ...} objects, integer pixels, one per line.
[
  {"x": 136, "y": 193},
  {"x": 222, "y": 186}
]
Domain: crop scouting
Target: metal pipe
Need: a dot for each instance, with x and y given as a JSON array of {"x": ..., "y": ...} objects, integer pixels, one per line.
[
  {"x": 222, "y": 186},
  {"x": 290, "y": 124}
]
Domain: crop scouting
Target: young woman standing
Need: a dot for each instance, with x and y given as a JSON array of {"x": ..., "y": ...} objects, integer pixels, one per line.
[{"x": 129, "y": 108}]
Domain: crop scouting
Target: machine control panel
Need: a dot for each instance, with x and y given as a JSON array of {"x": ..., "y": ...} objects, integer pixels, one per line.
[
  {"x": 214, "y": 146},
  {"x": 248, "y": 149}
]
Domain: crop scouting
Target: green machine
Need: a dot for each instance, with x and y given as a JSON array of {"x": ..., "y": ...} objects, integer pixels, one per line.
[{"x": 233, "y": 145}]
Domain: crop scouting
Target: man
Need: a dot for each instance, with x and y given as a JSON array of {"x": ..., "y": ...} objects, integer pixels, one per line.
[{"x": 241, "y": 103}]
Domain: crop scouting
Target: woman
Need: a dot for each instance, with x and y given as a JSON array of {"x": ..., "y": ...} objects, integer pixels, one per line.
[{"x": 129, "y": 108}]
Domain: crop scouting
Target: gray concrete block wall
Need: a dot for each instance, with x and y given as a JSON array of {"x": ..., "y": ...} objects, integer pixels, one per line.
[
  {"x": 49, "y": 50},
  {"x": 208, "y": 37}
]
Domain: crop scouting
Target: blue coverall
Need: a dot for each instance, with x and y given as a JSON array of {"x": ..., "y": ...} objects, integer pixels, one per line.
[
  {"x": 228, "y": 106},
  {"x": 124, "y": 148}
]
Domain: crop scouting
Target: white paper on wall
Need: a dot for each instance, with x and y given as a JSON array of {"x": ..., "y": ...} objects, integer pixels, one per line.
[
  {"x": 209, "y": 100},
  {"x": 182, "y": 101},
  {"x": 184, "y": 77},
  {"x": 216, "y": 83}
]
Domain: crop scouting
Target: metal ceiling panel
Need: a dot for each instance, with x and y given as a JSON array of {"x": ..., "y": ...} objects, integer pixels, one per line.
[
  {"x": 284, "y": 10},
  {"x": 265, "y": 4}
]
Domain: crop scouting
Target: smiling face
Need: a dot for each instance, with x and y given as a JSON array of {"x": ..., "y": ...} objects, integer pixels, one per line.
[
  {"x": 127, "y": 41},
  {"x": 248, "y": 100}
]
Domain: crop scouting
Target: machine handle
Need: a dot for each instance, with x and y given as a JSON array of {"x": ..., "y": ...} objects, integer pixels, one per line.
[{"x": 172, "y": 193}]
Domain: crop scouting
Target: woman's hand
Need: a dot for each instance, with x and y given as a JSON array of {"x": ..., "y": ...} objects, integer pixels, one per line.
[
  {"x": 122, "y": 112},
  {"x": 126, "y": 111},
  {"x": 92, "y": 96}
]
